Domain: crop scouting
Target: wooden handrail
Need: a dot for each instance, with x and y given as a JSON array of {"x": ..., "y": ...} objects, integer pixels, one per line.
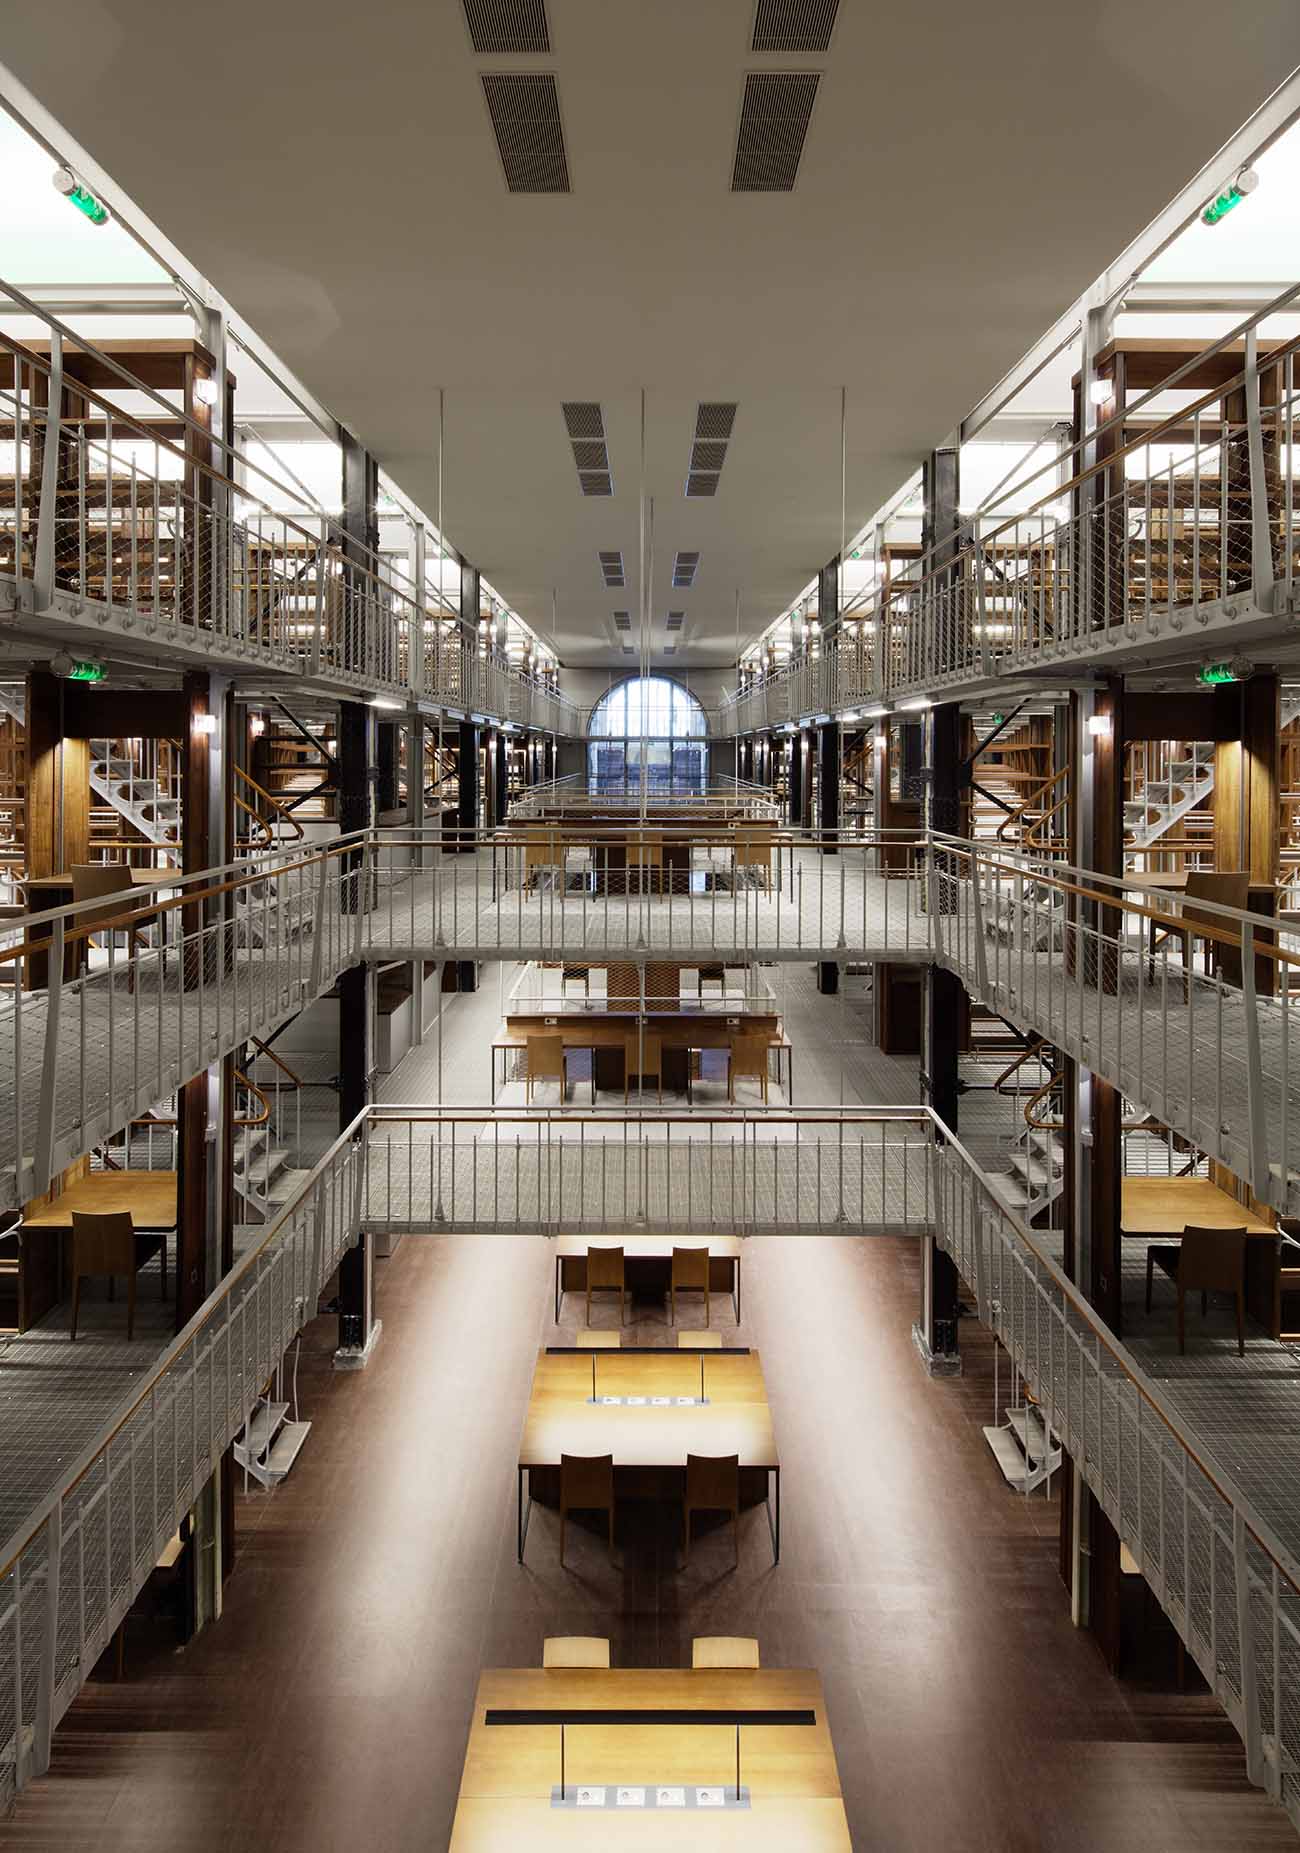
[{"x": 1033, "y": 798}]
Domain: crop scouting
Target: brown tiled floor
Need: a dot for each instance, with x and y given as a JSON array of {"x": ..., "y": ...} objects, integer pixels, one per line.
[{"x": 329, "y": 1709}]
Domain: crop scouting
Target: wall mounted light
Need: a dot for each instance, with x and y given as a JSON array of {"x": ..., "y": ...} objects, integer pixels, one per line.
[
  {"x": 382, "y": 701},
  {"x": 1101, "y": 392},
  {"x": 204, "y": 724},
  {"x": 1099, "y": 726},
  {"x": 256, "y": 725},
  {"x": 920, "y": 701},
  {"x": 206, "y": 391}
]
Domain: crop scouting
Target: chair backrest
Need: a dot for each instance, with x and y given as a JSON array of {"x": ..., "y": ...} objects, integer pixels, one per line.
[
  {"x": 575, "y": 1650},
  {"x": 724, "y": 1651},
  {"x": 646, "y": 848},
  {"x": 591, "y": 1340},
  {"x": 713, "y": 1481},
  {"x": 605, "y": 1267},
  {"x": 643, "y": 1055},
  {"x": 690, "y": 1267},
  {"x": 545, "y": 1058},
  {"x": 90, "y": 880},
  {"x": 586, "y": 1479},
  {"x": 1212, "y": 1260},
  {"x": 1226, "y": 888},
  {"x": 103, "y": 1242},
  {"x": 699, "y": 1341},
  {"x": 749, "y": 1055}
]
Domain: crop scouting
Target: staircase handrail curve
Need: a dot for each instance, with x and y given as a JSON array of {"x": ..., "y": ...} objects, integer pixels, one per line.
[
  {"x": 1041, "y": 1125},
  {"x": 1026, "y": 1055},
  {"x": 1031, "y": 800},
  {"x": 279, "y": 811},
  {"x": 265, "y": 1049},
  {"x": 259, "y": 1119}
]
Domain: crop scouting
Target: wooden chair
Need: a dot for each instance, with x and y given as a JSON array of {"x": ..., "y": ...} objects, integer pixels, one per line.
[
  {"x": 712, "y": 1485},
  {"x": 647, "y": 1063},
  {"x": 748, "y": 1063},
  {"x": 726, "y": 1652},
  {"x": 91, "y": 881},
  {"x": 645, "y": 854},
  {"x": 1226, "y": 888},
  {"x": 606, "y": 1271},
  {"x": 599, "y": 1341},
  {"x": 699, "y": 1341},
  {"x": 712, "y": 973},
  {"x": 1207, "y": 1261},
  {"x": 576, "y": 974},
  {"x": 580, "y": 1650},
  {"x": 754, "y": 844},
  {"x": 543, "y": 1061},
  {"x": 586, "y": 1485},
  {"x": 690, "y": 1271},
  {"x": 108, "y": 1244}
]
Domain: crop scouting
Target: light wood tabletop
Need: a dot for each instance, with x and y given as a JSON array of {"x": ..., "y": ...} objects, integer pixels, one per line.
[
  {"x": 562, "y": 1418},
  {"x": 1166, "y": 1205},
  {"x": 150, "y": 1196},
  {"x": 789, "y": 1770}
]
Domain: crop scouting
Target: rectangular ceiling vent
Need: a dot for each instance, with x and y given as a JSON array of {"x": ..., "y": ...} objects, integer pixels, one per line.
[
  {"x": 628, "y": 650},
  {"x": 794, "y": 25},
  {"x": 525, "y": 111},
  {"x": 611, "y": 566},
  {"x": 670, "y": 649},
  {"x": 622, "y": 620},
  {"x": 585, "y": 424},
  {"x": 713, "y": 424},
  {"x": 675, "y": 620},
  {"x": 684, "y": 569},
  {"x": 499, "y": 27},
  {"x": 774, "y": 120}
]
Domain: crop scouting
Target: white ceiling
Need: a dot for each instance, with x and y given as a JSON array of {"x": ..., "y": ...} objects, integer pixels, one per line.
[{"x": 968, "y": 171}]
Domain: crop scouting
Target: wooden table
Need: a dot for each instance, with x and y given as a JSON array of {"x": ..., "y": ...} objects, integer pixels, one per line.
[
  {"x": 787, "y": 1762},
  {"x": 43, "y": 892},
  {"x": 150, "y": 1196},
  {"x": 607, "y": 1033},
  {"x": 1154, "y": 1208},
  {"x": 655, "y": 1250},
  {"x": 649, "y": 1443}
]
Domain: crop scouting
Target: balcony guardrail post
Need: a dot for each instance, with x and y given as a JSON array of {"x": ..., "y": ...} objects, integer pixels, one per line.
[
  {"x": 1256, "y": 1105},
  {"x": 1246, "y": 1652},
  {"x": 1261, "y": 538},
  {"x": 43, "y": 1161},
  {"x": 43, "y": 1731},
  {"x": 47, "y": 510}
]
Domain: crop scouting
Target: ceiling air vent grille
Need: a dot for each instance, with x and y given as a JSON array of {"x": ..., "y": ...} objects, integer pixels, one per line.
[
  {"x": 525, "y": 111},
  {"x": 715, "y": 421},
  {"x": 713, "y": 425},
  {"x": 675, "y": 620},
  {"x": 774, "y": 120},
  {"x": 502, "y": 26},
  {"x": 611, "y": 566},
  {"x": 670, "y": 649},
  {"x": 628, "y": 650},
  {"x": 585, "y": 424},
  {"x": 684, "y": 569},
  {"x": 794, "y": 25},
  {"x": 622, "y": 620}
]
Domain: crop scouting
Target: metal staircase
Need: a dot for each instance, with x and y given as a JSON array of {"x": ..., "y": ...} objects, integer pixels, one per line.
[
  {"x": 1186, "y": 785},
  {"x": 145, "y": 803}
]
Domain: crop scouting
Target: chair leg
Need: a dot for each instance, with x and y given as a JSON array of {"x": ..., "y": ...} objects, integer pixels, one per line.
[
  {"x": 672, "y": 1302},
  {"x": 76, "y": 1305},
  {"x": 708, "y": 1316},
  {"x": 1241, "y": 1329},
  {"x": 562, "y": 1513},
  {"x": 611, "y": 1531},
  {"x": 130, "y": 1306},
  {"x": 588, "y": 1301},
  {"x": 162, "y": 1269},
  {"x": 735, "y": 1533},
  {"x": 1182, "y": 1330},
  {"x": 1150, "y": 1271},
  {"x": 686, "y": 1535},
  {"x": 622, "y": 1305}
]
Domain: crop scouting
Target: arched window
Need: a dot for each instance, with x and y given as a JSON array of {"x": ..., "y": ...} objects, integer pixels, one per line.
[{"x": 648, "y": 718}]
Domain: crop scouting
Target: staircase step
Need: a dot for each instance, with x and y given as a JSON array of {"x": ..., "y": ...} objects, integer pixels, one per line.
[{"x": 262, "y": 1428}]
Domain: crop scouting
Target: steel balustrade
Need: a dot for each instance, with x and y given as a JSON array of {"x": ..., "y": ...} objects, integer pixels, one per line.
[
  {"x": 235, "y": 951},
  {"x": 1191, "y": 520},
  {"x": 71, "y": 1570},
  {"x": 114, "y": 521}
]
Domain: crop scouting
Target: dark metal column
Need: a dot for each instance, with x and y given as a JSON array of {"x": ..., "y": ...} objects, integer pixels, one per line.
[
  {"x": 830, "y": 750},
  {"x": 467, "y": 783},
  {"x": 356, "y": 775},
  {"x": 935, "y": 1332},
  {"x": 386, "y": 795},
  {"x": 501, "y": 777},
  {"x": 796, "y": 779}
]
